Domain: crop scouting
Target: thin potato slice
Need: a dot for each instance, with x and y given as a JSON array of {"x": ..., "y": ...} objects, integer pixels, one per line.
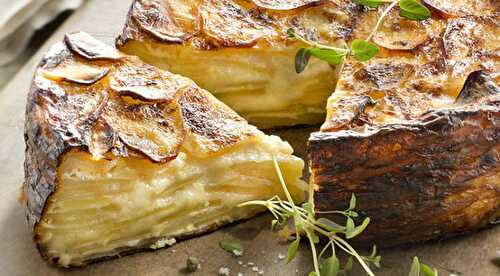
[
  {"x": 89, "y": 47},
  {"x": 162, "y": 21},
  {"x": 76, "y": 73},
  {"x": 145, "y": 82},
  {"x": 153, "y": 129},
  {"x": 228, "y": 24},
  {"x": 285, "y": 5}
]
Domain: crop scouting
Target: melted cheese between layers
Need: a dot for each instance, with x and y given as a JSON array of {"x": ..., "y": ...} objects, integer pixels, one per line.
[
  {"x": 102, "y": 206},
  {"x": 260, "y": 84}
]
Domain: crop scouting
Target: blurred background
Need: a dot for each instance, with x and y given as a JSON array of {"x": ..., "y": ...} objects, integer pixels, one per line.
[{"x": 24, "y": 27}]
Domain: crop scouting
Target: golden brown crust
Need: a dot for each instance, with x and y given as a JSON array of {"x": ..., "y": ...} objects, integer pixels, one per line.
[
  {"x": 128, "y": 109},
  {"x": 453, "y": 8},
  {"x": 284, "y": 5},
  {"x": 434, "y": 178},
  {"x": 415, "y": 132},
  {"x": 402, "y": 84},
  {"x": 211, "y": 24},
  {"x": 207, "y": 119}
]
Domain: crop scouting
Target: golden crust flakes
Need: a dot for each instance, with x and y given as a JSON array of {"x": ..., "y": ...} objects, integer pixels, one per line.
[
  {"x": 213, "y": 24},
  {"x": 285, "y": 5},
  {"x": 127, "y": 107},
  {"x": 454, "y": 8},
  {"x": 211, "y": 125},
  {"x": 168, "y": 20},
  {"x": 90, "y": 48}
]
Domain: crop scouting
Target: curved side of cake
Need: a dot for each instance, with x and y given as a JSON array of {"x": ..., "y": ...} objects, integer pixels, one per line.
[{"x": 123, "y": 157}]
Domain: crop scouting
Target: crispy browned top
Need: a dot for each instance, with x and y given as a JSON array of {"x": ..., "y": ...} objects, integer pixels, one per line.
[
  {"x": 209, "y": 24},
  {"x": 97, "y": 98},
  {"x": 423, "y": 66}
]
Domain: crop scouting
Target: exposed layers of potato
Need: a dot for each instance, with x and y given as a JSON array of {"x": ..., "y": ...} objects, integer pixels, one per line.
[
  {"x": 415, "y": 132},
  {"x": 122, "y": 156},
  {"x": 239, "y": 50}
]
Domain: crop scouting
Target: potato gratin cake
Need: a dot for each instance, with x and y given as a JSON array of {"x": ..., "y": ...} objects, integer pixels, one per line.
[{"x": 122, "y": 156}]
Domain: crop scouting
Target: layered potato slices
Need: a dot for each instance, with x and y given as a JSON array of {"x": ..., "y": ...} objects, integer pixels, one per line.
[{"x": 121, "y": 156}]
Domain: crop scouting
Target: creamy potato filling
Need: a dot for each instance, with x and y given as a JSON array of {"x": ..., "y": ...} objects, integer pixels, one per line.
[
  {"x": 103, "y": 205},
  {"x": 260, "y": 84}
]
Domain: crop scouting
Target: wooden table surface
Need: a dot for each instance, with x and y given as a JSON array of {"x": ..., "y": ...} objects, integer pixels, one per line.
[{"x": 476, "y": 254}]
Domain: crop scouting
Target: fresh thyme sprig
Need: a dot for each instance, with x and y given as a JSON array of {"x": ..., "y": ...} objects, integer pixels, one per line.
[
  {"x": 420, "y": 269},
  {"x": 361, "y": 49},
  {"x": 305, "y": 223}
]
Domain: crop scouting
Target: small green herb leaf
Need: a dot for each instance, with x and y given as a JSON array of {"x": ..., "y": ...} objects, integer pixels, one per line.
[
  {"x": 330, "y": 225},
  {"x": 349, "y": 226},
  {"x": 301, "y": 60},
  {"x": 369, "y": 3},
  {"x": 292, "y": 249},
  {"x": 420, "y": 269},
  {"x": 309, "y": 209},
  {"x": 415, "y": 267},
  {"x": 348, "y": 266},
  {"x": 352, "y": 203},
  {"x": 314, "y": 238},
  {"x": 330, "y": 266},
  {"x": 352, "y": 214},
  {"x": 312, "y": 273},
  {"x": 376, "y": 261},
  {"x": 231, "y": 247},
  {"x": 413, "y": 10},
  {"x": 427, "y": 271},
  {"x": 363, "y": 50},
  {"x": 330, "y": 56},
  {"x": 374, "y": 251},
  {"x": 274, "y": 224},
  {"x": 290, "y": 32},
  {"x": 351, "y": 233}
]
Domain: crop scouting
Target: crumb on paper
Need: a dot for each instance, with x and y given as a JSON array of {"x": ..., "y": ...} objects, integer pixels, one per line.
[
  {"x": 255, "y": 268},
  {"x": 224, "y": 271},
  {"x": 281, "y": 256},
  {"x": 162, "y": 243},
  {"x": 192, "y": 264},
  {"x": 237, "y": 253}
]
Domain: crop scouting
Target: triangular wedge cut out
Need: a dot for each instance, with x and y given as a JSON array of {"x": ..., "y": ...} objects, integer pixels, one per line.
[
  {"x": 123, "y": 157},
  {"x": 414, "y": 132},
  {"x": 239, "y": 51}
]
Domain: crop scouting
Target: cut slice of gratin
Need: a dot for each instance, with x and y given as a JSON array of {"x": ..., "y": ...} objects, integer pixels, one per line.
[{"x": 121, "y": 156}]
